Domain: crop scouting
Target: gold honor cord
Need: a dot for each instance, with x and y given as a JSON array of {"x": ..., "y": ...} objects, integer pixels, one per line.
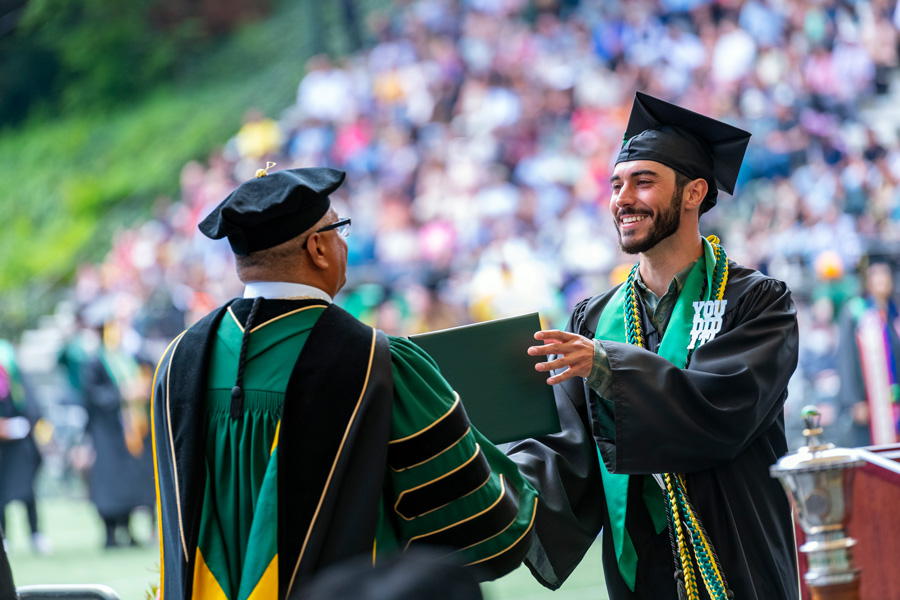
[{"x": 682, "y": 516}]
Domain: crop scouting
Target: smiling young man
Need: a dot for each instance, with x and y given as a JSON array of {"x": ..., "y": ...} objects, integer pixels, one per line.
[
  {"x": 289, "y": 436},
  {"x": 670, "y": 390}
]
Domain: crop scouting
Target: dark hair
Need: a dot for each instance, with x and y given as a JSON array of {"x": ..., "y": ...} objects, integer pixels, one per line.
[
  {"x": 270, "y": 258},
  {"x": 681, "y": 181}
]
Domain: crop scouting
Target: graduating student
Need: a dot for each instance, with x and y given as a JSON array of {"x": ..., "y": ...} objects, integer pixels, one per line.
[
  {"x": 869, "y": 352},
  {"x": 670, "y": 388},
  {"x": 119, "y": 476},
  {"x": 290, "y": 436}
]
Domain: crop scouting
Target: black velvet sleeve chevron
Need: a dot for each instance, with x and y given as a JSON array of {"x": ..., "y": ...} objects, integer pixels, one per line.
[
  {"x": 430, "y": 496},
  {"x": 493, "y": 520},
  {"x": 423, "y": 446}
]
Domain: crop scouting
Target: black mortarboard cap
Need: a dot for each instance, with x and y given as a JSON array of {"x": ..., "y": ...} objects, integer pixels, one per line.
[
  {"x": 272, "y": 208},
  {"x": 881, "y": 253},
  {"x": 695, "y": 145}
]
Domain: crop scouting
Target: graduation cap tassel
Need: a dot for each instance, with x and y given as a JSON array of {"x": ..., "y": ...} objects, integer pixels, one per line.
[
  {"x": 682, "y": 592},
  {"x": 237, "y": 392}
]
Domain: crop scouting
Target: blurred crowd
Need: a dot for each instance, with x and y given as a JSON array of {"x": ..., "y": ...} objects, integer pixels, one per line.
[
  {"x": 479, "y": 136},
  {"x": 478, "y": 139}
]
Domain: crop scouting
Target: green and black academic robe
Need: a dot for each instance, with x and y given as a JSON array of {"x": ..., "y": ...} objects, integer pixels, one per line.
[
  {"x": 719, "y": 421},
  {"x": 346, "y": 442}
]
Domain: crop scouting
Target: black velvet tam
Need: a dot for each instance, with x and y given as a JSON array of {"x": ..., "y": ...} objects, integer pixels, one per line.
[
  {"x": 693, "y": 144},
  {"x": 271, "y": 209}
]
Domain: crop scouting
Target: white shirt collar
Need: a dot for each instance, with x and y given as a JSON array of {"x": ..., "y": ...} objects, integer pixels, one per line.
[{"x": 282, "y": 289}]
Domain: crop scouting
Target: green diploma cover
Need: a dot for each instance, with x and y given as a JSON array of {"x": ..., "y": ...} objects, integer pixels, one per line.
[{"x": 489, "y": 367}]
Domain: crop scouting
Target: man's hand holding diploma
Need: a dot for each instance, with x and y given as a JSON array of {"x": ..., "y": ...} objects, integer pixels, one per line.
[{"x": 572, "y": 350}]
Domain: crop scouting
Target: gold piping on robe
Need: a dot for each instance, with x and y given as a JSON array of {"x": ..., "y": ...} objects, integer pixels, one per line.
[
  {"x": 270, "y": 321},
  {"x": 334, "y": 463},
  {"x": 469, "y": 518},
  {"x": 435, "y": 422},
  {"x": 519, "y": 539},
  {"x": 172, "y": 446},
  {"x": 448, "y": 448},
  {"x": 445, "y": 475},
  {"x": 159, "y": 527}
]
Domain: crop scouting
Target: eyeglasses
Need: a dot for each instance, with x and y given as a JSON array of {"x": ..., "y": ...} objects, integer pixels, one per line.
[{"x": 342, "y": 226}]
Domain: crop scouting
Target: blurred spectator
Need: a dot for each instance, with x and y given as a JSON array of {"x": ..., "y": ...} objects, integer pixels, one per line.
[
  {"x": 819, "y": 367},
  {"x": 832, "y": 283},
  {"x": 326, "y": 92},
  {"x": 259, "y": 137},
  {"x": 734, "y": 53},
  {"x": 19, "y": 455},
  {"x": 870, "y": 359}
]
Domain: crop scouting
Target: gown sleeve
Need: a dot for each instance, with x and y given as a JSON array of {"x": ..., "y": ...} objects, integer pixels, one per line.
[
  {"x": 670, "y": 419},
  {"x": 565, "y": 470},
  {"x": 451, "y": 487}
]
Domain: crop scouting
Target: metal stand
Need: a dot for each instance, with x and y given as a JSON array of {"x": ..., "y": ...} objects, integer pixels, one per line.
[{"x": 819, "y": 478}]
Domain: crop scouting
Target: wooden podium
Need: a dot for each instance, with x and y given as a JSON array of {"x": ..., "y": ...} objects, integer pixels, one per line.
[{"x": 874, "y": 523}]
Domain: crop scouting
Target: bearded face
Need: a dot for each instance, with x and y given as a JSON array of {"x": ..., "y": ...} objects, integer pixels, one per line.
[{"x": 657, "y": 224}]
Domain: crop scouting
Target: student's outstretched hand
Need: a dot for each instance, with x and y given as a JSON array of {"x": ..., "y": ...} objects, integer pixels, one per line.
[{"x": 572, "y": 350}]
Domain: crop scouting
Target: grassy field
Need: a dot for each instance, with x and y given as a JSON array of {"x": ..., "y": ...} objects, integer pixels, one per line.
[
  {"x": 78, "y": 557},
  {"x": 586, "y": 583}
]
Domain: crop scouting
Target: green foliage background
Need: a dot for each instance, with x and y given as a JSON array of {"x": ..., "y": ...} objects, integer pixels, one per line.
[
  {"x": 72, "y": 177},
  {"x": 105, "y": 52}
]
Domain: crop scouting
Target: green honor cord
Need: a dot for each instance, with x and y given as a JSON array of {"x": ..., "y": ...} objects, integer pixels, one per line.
[{"x": 682, "y": 517}]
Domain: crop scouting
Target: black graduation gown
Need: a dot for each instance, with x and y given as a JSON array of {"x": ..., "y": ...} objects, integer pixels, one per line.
[
  {"x": 719, "y": 421},
  {"x": 117, "y": 481},
  {"x": 19, "y": 459}
]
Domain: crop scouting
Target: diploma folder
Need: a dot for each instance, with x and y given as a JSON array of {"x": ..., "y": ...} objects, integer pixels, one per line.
[{"x": 488, "y": 365}]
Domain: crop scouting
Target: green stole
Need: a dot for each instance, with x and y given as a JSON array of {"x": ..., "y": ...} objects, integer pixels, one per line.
[{"x": 674, "y": 348}]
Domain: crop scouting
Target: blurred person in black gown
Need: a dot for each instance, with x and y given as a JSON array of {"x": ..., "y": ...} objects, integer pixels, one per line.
[
  {"x": 19, "y": 454},
  {"x": 114, "y": 390}
]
